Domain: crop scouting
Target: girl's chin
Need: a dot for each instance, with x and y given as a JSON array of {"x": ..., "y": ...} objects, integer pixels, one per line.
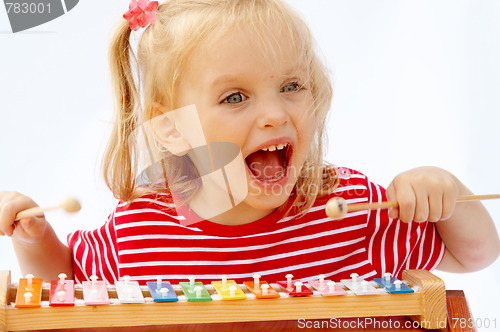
[
  {"x": 267, "y": 200},
  {"x": 270, "y": 195}
]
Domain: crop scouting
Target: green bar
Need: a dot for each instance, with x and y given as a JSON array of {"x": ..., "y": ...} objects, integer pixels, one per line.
[{"x": 190, "y": 293}]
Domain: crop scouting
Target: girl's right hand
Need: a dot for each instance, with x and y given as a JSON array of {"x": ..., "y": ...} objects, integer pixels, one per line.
[{"x": 30, "y": 229}]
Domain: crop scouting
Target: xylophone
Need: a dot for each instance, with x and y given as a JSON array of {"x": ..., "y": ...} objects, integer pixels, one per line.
[{"x": 422, "y": 297}]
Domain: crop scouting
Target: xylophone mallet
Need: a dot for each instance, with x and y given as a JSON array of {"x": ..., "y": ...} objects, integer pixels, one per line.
[
  {"x": 337, "y": 207},
  {"x": 68, "y": 204}
]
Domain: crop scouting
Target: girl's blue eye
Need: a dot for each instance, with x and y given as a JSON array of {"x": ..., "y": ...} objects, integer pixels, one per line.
[
  {"x": 291, "y": 87},
  {"x": 235, "y": 98}
]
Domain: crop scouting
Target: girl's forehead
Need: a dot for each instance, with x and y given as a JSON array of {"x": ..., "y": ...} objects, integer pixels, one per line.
[{"x": 269, "y": 48}]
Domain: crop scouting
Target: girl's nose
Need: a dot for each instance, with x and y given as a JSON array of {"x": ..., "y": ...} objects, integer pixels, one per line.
[{"x": 273, "y": 113}]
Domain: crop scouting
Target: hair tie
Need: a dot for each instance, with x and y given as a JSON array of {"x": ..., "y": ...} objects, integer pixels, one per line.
[{"x": 141, "y": 13}]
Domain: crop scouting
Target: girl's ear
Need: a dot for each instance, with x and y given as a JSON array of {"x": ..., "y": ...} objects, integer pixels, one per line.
[{"x": 166, "y": 133}]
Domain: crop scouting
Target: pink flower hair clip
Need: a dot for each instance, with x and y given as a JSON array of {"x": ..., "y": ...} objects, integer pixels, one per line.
[{"x": 140, "y": 13}]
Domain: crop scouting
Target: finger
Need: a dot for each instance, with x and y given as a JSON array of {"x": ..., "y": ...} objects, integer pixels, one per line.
[
  {"x": 7, "y": 216},
  {"x": 393, "y": 213},
  {"x": 435, "y": 207},
  {"x": 7, "y": 230},
  {"x": 10, "y": 204},
  {"x": 6, "y": 223},
  {"x": 449, "y": 203},
  {"x": 33, "y": 227},
  {"x": 390, "y": 194},
  {"x": 421, "y": 206},
  {"x": 407, "y": 201}
]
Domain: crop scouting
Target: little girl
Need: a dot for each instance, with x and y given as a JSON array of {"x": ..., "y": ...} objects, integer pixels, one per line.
[{"x": 216, "y": 157}]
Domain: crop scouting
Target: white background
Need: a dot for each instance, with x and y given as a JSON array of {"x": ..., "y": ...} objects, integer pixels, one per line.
[{"x": 416, "y": 83}]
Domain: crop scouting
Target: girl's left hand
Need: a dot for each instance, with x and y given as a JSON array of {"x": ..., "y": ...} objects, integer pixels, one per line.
[{"x": 423, "y": 193}]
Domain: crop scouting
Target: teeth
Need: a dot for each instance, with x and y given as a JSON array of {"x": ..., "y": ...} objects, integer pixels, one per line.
[{"x": 275, "y": 147}]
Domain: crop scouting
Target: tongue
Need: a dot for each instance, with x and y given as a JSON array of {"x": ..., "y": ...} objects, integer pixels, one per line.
[{"x": 266, "y": 165}]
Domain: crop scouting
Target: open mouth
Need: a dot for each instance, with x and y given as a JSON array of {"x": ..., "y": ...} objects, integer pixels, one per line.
[{"x": 270, "y": 164}]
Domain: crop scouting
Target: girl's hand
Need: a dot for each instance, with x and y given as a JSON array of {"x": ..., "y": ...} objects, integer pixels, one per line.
[
  {"x": 29, "y": 229},
  {"x": 424, "y": 193}
]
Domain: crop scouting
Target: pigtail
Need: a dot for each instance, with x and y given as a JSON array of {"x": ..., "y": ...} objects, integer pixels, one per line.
[{"x": 118, "y": 162}]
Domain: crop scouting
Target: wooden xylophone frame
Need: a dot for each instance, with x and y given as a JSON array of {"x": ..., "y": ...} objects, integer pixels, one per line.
[{"x": 428, "y": 305}]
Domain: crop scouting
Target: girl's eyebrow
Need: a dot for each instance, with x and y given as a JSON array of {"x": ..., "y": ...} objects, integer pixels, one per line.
[
  {"x": 297, "y": 70},
  {"x": 223, "y": 79},
  {"x": 228, "y": 78}
]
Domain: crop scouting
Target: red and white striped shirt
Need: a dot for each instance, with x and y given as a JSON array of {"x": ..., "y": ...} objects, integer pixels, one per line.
[{"x": 145, "y": 239}]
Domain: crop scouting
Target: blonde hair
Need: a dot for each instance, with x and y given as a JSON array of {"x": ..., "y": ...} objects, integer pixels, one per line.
[{"x": 162, "y": 53}]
